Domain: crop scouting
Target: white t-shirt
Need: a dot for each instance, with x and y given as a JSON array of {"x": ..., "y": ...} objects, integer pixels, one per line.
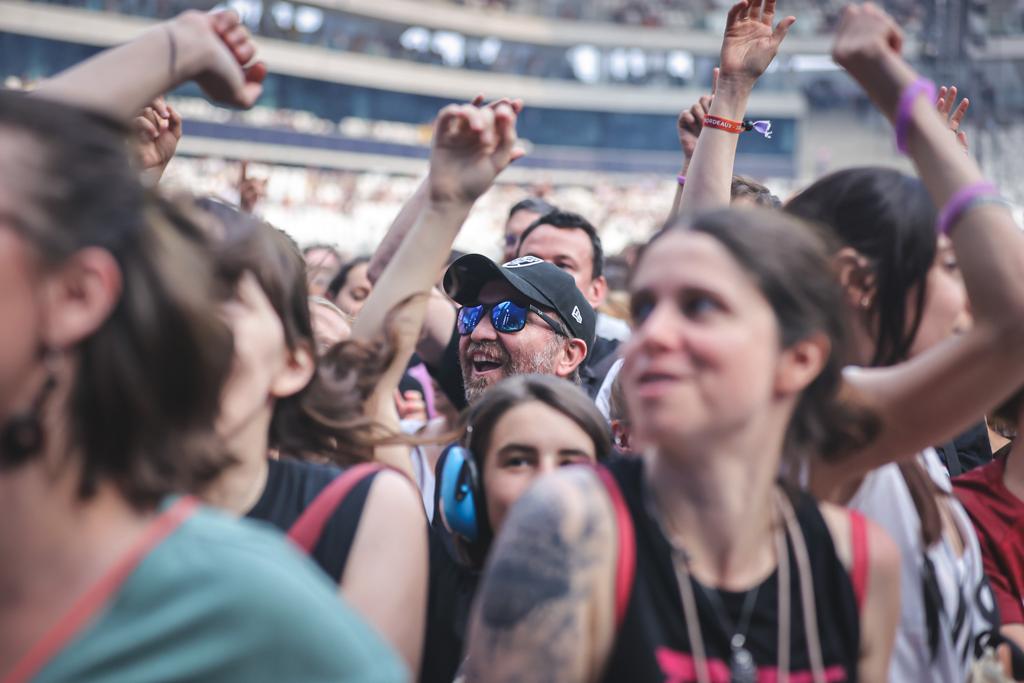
[
  {"x": 967, "y": 617},
  {"x": 421, "y": 467},
  {"x": 604, "y": 394}
]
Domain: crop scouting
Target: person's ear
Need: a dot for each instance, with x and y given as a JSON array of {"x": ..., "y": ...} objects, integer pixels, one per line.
[
  {"x": 80, "y": 296},
  {"x": 598, "y": 291},
  {"x": 854, "y": 272},
  {"x": 801, "y": 363},
  {"x": 296, "y": 374},
  {"x": 573, "y": 355},
  {"x": 620, "y": 436}
]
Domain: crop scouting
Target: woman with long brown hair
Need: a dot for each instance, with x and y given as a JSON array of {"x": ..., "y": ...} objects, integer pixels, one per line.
[{"x": 110, "y": 378}]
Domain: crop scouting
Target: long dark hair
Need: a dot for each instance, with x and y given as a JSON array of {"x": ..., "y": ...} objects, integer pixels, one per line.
[
  {"x": 325, "y": 420},
  {"x": 888, "y": 218},
  {"x": 481, "y": 417},
  {"x": 338, "y": 281},
  {"x": 788, "y": 261},
  {"x": 147, "y": 387}
]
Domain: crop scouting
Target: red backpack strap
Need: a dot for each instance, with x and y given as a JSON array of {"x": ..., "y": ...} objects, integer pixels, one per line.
[
  {"x": 96, "y": 598},
  {"x": 306, "y": 530},
  {"x": 859, "y": 550},
  {"x": 625, "y": 570}
]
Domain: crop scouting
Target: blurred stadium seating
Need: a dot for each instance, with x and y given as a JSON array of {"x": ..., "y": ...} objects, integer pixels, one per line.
[{"x": 342, "y": 131}]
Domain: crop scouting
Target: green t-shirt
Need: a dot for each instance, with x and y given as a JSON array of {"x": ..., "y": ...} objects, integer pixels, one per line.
[{"x": 225, "y": 600}]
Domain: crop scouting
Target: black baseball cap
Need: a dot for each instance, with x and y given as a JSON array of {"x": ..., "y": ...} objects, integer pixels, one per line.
[{"x": 543, "y": 284}]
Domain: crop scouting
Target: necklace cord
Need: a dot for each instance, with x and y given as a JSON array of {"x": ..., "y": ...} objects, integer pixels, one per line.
[
  {"x": 785, "y": 605},
  {"x": 791, "y": 528},
  {"x": 803, "y": 563}
]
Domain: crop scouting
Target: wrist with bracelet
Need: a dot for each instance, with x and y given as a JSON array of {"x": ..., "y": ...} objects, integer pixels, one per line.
[
  {"x": 965, "y": 200},
  {"x": 737, "y": 127},
  {"x": 905, "y": 110}
]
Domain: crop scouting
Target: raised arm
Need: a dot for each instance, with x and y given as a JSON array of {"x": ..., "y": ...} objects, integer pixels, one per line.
[
  {"x": 939, "y": 393},
  {"x": 688, "y": 127},
  {"x": 471, "y": 147},
  {"x": 412, "y": 209},
  {"x": 215, "y": 50},
  {"x": 751, "y": 41},
  {"x": 545, "y": 610}
]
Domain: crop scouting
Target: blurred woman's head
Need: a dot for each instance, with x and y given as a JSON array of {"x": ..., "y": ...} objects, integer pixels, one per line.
[
  {"x": 737, "y": 327},
  {"x": 106, "y": 297},
  {"x": 523, "y": 428},
  {"x": 309, "y": 401},
  {"x": 901, "y": 283},
  {"x": 351, "y": 286}
]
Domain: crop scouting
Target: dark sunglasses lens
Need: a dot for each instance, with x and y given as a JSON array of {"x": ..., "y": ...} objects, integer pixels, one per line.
[
  {"x": 508, "y": 317},
  {"x": 468, "y": 319}
]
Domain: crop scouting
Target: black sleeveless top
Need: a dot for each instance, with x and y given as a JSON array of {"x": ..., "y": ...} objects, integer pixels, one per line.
[
  {"x": 291, "y": 486},
  {"x": 652, "y": 644}
]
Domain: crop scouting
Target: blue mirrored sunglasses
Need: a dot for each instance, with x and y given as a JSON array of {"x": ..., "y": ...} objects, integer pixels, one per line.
[{"x": 506, "y": 316}]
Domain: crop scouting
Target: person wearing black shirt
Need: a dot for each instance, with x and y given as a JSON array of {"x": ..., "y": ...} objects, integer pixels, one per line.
[{"x": 520, "y": 430}]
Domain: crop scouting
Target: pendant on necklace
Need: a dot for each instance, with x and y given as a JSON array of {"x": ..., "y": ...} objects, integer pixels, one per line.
[{"x": 742, "y": 668}]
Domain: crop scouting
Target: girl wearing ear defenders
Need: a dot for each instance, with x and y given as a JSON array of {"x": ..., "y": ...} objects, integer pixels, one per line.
[{"x": 521, "y": 429}]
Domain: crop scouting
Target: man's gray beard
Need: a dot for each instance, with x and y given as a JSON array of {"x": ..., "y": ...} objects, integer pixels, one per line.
[{"x": 541, "y": 362}]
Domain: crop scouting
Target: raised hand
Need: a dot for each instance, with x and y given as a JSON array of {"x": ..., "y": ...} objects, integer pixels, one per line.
[
  {"x": 157, "y": 132},
  {"x": 471, "y": 147},
  {"x": 868, "y": 45},
  {"x": 691, "y": 120},
  {"x": 866, "y": 35},
  {"x": 217, "y": 51},
  {"x": 954, "y": 117},
  {"x": 516, "y": 104},
  {"x": 752, "y": 40}
]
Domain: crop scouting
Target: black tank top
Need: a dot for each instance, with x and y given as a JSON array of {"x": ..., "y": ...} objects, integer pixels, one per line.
[
  {"x": 291, "y": 486},
  {"x": 652, "y": 644}
]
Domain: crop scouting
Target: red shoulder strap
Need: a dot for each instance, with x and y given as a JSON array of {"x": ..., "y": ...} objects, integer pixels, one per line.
[
  {"x": 859, "y": 547},
  {"x": 625, "y": 570},
  {"x": 87, "y": 606},
  {"x": 310, "y": 525}
]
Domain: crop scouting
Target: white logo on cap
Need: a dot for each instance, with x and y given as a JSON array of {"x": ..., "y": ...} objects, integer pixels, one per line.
[
  {"x": 522, "y": 262},
  {"x": 576, "y": 315}
]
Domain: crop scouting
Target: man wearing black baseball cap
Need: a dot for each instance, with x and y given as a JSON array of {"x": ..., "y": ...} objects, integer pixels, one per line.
[{"x": 526, "y": 316}]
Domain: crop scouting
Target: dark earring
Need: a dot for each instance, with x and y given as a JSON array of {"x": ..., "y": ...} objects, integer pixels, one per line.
[{"x": 22, "y": 436}]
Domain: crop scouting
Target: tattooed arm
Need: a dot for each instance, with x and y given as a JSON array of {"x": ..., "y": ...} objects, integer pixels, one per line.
[{"x": 545, "y": 610}]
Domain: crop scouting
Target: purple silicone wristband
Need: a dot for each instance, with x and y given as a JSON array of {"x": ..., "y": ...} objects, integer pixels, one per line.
[
  {"x": 681, "y": 179},
  {"x": 960, "y": 200},
  {"x": 922, "y": 86}
]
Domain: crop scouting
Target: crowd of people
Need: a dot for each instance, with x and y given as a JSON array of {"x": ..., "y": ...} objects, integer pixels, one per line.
[{"x": 789, "y": 453}]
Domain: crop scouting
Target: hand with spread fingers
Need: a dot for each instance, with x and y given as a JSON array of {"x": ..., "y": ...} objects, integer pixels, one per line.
[
  {"x": 955, "y": 116},
  {"x": 471, "y": 147},
  {"x": 752, "y": 39},
  {"x": 157, "y": 132}
]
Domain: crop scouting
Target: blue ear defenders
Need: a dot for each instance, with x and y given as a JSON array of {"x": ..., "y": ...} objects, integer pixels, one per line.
[{"x": 461, "y": 499}]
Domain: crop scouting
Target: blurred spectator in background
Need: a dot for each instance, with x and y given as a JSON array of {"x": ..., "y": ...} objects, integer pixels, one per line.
[
  {"x": 350, "y": 286},
  {"x": 520, "y": 217},
  {"x": 322, "y": 263}
]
